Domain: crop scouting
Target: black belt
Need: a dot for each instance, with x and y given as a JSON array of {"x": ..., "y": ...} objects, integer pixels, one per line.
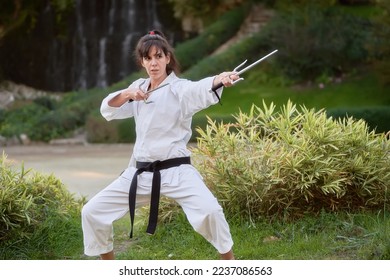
[{"x": 154, "y": 167}]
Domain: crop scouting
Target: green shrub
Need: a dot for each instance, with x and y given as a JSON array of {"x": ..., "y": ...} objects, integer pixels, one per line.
[
  {"x": 34, "y": 207},
  {"x": 59, "y": 123},
  {"x": 377, "y": 118},
  {"x": 293, "y": 162},
  {"x": 313, "y": 41},
  {"x": 201, "y": 121},
  {"x": 47, "y": 102},
  {"x": 380, "y": 47},
  {"x": 100, "y": 130},
  {"x": 126, "y": 131},
  {"x": 21, "y": 120},
  {"x": 45, "y": 119}
]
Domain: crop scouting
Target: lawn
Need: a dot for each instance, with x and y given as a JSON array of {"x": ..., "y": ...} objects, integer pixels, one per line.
[
  {"x": 331, "y": 236},
  {"x": 356, "y": 91}
]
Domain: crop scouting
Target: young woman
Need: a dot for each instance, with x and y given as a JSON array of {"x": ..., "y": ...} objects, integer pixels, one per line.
[{"x": 160, "y": 163}]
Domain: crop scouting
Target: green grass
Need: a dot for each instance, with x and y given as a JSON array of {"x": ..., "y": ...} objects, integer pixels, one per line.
[
  {"x": 359, "y": 91},
  {"x": 56, "y": 240},
  {"x": 330, "y": 236},
  {"x": 335, "y": 236}
]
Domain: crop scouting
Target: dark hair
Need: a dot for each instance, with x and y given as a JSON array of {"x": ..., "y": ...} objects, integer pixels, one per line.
[{"x": 156, "y": 39}]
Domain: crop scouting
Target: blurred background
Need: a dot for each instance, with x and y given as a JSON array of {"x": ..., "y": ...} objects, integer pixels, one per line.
[{"x": 59, "y": 58}]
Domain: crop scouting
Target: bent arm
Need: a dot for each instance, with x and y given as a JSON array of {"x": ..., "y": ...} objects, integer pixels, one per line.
[
  {"x": 116, "y": 106},
  {"x": 126, "y": 95},
  {"x": 119, "y": 105}
]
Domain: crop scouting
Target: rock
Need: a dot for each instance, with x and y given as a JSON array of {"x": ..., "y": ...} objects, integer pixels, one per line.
[
  {"x": 79, "y": 138},
  {"x": 3, "y": 141},
  {"x": 24, "y": 139},
  {"x": 9, "y": 92},
  {"x": 6, "y": 98},
  {"x": 68, "y": 141}
]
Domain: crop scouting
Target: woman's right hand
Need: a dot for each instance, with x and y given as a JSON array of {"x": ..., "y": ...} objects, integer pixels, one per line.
[
  {"x": 134, "y": 94},
  {"x": 129, "y": 94}
]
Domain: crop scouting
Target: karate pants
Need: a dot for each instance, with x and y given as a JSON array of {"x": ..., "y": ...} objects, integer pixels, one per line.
[{"x": 183, "y": 184}]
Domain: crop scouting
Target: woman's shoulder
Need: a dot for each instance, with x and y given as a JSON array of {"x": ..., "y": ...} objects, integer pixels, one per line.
[{"x": 175, "y": 80}]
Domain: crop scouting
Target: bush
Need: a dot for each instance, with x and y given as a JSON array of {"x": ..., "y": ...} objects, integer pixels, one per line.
[
  {"x": 293, "y": 162},
  {"x": 34, "y": 207},
  {"x": 377, "y": 118},
  {"x": 21, "y": 120},
  {"x": 101, "y": 131},
  {"x": 200, "y": 121},
  {"x": 45, "y": 119},
  {"x": 380, "y": 47},
  {"x": 126, "y": 131},
  {"x": 47, "y": 102},
  {"x": 314, "y": 41},
  {"x": 59, "y": 123}
]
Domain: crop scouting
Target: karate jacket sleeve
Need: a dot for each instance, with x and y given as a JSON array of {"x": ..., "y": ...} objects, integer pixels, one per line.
[
  {"x": 195, "y": 96},
  {"x": 123, "y": 112}
]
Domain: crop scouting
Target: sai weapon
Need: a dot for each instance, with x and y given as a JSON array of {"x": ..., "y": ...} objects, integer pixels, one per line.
[{"x": 239, "y": 72}]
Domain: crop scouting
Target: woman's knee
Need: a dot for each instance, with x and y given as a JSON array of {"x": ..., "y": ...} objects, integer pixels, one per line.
[
  {"x": 206, "y": 220},
  {"x": 87, "y": 211}
]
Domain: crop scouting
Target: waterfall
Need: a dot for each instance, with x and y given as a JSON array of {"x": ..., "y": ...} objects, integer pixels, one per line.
[
  {"x": 102, "y": 77},
  {"x": 129, "y": 15},
  {"x": 81, "y": 56},
  {"x": 106, "y": 34},
  {"x": 126, "y": 51},
  {"x": 94, "y": 50}
]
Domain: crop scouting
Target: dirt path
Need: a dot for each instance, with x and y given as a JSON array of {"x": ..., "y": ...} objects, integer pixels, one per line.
[{"x": 84, "y": 169}]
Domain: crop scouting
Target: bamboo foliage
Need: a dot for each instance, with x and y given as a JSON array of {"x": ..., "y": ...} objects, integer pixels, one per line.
[
  {"x": 29, "y": 199},
  {"x": 292, "y": 162}
]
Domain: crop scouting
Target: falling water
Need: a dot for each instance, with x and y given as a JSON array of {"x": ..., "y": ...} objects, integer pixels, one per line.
[
  {"x": 102, "y": 77},
  {"x": 81, "y": 55},
  {"x": 106, "y": 35},
  {"x": 97, "y": 48},
  {"x": 129, "y": 15}
]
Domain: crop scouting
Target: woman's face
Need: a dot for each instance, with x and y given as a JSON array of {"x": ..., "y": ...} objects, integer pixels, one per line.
[{"x": 155, "y": 64}]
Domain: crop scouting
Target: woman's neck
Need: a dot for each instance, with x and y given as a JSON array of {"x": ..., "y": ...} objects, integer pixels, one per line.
[{"x": 156, "y": 82}]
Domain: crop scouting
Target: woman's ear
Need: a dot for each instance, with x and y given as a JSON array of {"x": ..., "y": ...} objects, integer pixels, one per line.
[{"x": 168, "y": 58}]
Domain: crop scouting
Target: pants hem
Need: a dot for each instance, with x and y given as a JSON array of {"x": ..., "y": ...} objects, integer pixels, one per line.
[{"x": 91, "y": 252}]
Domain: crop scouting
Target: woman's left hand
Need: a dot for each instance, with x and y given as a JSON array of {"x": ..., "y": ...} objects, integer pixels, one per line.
[{"x": 226, "y": 78}]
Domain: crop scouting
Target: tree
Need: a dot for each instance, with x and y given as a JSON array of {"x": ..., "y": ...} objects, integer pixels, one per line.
[
  {"x": 381, "y": 47},
  {"x": 16, "y": 14}
]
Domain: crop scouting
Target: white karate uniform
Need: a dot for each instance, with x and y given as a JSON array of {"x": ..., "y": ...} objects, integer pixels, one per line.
[{"x": 163, "y": 129}]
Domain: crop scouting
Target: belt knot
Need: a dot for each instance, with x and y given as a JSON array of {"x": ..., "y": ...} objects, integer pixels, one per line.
[{"x": 154, "y": 166}]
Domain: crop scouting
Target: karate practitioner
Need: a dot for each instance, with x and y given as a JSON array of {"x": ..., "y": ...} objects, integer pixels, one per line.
[{"x": 160, "y": 155}]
